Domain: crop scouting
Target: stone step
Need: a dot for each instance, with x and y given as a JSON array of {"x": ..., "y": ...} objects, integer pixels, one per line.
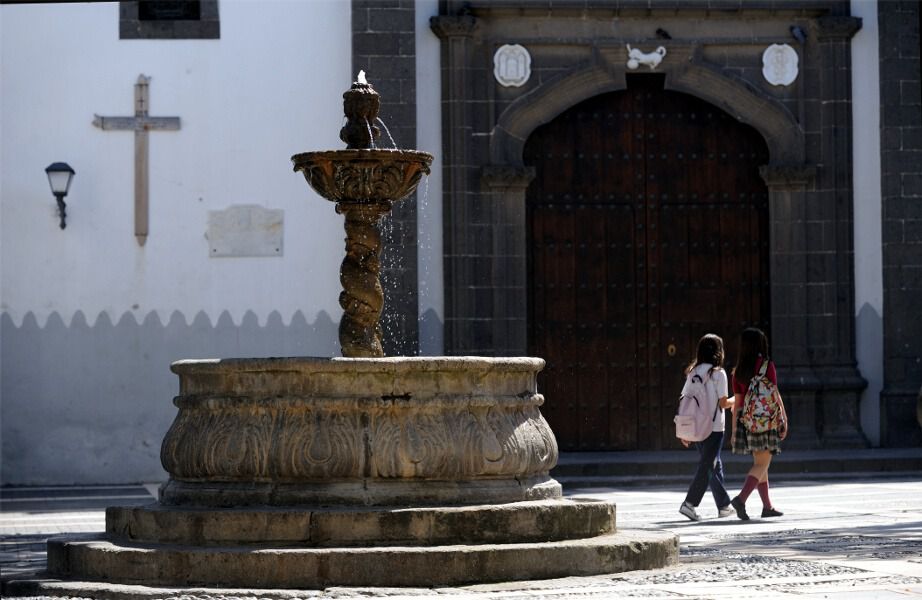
[
  {"x": 588, "y": 469},
  {"x": 537, "y": 521},
  {"x": 394, "y": 566}
]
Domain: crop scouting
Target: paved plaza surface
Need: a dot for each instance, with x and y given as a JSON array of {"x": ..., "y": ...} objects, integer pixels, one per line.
[{"x": 848, "y": 537}]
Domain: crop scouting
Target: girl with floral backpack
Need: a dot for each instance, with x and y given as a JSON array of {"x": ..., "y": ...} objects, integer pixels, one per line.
[
  {"x": 707, "y": 369},
  {"x": 760, "y": 422}
]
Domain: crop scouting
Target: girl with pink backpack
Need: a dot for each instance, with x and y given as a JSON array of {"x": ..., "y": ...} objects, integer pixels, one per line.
[{"x": 705, "y": 377}]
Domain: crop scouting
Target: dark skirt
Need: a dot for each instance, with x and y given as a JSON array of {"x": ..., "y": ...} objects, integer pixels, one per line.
[{"x": 747, "y": 442}]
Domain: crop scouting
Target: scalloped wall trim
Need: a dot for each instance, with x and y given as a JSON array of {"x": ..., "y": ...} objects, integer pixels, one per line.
[
  {"x": 90, "y": 404},
  {"x": 164, "y": 317}
]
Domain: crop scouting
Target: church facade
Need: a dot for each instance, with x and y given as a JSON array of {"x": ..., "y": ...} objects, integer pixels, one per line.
[
  {"x": 622, "y": 177},
  {"x": 613, "y": 179}
]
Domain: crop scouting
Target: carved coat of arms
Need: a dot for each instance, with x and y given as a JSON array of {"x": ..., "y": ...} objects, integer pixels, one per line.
[
  {"x": 779, "y": 64},
  {"x": 512, "y": 65}
]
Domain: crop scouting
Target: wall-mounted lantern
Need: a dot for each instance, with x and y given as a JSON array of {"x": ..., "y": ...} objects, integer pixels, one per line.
[{"x": 59, "y": 178}]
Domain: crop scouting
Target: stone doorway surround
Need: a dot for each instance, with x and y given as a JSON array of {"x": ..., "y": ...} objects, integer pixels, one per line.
[{"x": 713, "y": 51}]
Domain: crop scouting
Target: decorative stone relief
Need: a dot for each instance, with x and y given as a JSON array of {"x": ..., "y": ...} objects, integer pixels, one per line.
[
  {"x": 512, "y": 65},
  {"x": 350, "y": 175},
  {"x": 837, "y": 27},
  {"x": 506, "y": 176},
  {"x": 787, "y": 176},
  {"x": 779, "y": 64},
  {"x": 245, "y": 230},
  {"x": 453, "y": 26},
  {"x": 637, "y": 57},
  {"x": 296, "y": 439}
]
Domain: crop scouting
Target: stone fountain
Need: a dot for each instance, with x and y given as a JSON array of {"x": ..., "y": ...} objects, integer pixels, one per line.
[
  {"x": 364, "y": 182},
  {"x": 363, "y": 470}
]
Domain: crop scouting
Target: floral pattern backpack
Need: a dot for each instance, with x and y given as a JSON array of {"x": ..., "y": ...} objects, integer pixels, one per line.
[{"x": 761, "y": 411}]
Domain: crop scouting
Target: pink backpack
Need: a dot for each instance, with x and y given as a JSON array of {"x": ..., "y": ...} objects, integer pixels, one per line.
[{"x": 693, "y": 421}]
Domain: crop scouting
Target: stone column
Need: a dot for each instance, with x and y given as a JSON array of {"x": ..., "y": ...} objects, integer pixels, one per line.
[
  {"x": 461, "y": 239},
  {"x": 821, "y": 396},
  {"x": 787, "y": 189},
  {"x": 362, "y": 297},
  {"x": 833, "y": 315},
  {"x": 901, "y": 182},
  {"x": 504, "y": 189}
]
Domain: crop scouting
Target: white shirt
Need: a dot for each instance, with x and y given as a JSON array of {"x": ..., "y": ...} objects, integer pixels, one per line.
[{"x": 716, "y": 386}]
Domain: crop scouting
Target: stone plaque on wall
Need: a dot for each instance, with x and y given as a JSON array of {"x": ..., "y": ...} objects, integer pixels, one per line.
[
  {"x": 512, "y": 65},
  {"x": 245, "y": 230},
  {"x": 779, "y": 64}
]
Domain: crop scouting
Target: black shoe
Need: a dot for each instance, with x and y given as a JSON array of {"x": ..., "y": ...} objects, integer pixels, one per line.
[
  {"x": 771, "y": 512},
  {"x": 740, "y": 507}
]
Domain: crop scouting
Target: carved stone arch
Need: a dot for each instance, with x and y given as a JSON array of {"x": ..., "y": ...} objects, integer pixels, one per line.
[
  {"x": 783, "y": 135},
  {"x": 505, "y": 179},
  {"x": 543, "y": 104}
]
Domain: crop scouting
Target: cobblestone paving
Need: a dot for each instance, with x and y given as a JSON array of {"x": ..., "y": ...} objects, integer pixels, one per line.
[
  {"x": 30, "y": 516},
  {"x": 837, "y": 538}
]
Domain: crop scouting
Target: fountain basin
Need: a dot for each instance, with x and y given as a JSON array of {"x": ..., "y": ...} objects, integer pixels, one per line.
[
  {"x": 378, "y": 431},
  {"x": 363, "y": 174}
]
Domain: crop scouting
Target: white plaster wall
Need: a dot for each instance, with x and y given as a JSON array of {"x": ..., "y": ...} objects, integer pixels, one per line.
[
  {"x": 269, "y": 88},
  {"x": 429, "y": 221},
  {"x": 90, "y": 320},
  {"x": 869, "y": 302}
]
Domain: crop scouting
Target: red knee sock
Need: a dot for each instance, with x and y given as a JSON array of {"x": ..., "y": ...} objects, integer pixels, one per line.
[
  {"x": 751, "y": 483},
  {"x": 763, "y": 493}
]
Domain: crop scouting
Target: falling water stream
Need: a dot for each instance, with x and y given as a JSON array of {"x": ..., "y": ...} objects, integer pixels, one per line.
[
  {"x": 388, "y": 131},
  {"x": 370, "y": 135}
]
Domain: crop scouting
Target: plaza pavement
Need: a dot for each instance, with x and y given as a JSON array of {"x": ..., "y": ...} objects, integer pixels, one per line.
[{"x": 841, "y": 537}]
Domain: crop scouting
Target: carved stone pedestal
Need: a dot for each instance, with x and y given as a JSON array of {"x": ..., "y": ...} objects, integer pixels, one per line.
[
  {"x": 312, "y": 472},
  {"x": 841, "y": 396}
]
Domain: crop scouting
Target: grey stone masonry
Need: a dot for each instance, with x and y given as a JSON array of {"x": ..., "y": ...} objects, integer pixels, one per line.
[
  {"x": 384, "y": 46},
  {"x": 901, "y": 193}
]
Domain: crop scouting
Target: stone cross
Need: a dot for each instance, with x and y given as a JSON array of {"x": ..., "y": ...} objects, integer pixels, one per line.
[{"x": 140, "y": 123}]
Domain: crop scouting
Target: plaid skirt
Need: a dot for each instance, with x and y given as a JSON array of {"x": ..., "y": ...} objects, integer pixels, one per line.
[{"x": 747, "y": 442}]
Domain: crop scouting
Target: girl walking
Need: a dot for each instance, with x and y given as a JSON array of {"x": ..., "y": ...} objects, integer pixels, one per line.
[
  {"x": 708, "y": 365},
  {"x": 761, "y": 435}
]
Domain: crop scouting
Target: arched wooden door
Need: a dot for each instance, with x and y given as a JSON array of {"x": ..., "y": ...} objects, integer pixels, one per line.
[{"x": 647, "y": 228}]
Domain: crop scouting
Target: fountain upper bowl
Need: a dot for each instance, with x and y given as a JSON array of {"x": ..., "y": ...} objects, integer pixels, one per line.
[{"x": 363, "y": 175}]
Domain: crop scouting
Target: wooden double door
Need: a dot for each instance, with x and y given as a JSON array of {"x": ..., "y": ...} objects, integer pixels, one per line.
[{"x": 647, "y": 228}]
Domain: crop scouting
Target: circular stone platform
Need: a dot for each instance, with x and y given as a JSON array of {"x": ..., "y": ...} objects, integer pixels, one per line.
[
  {"x": 540, "y": 521},
  {"x": 389, "y": 566},
  {"x": 304, "y": 473}
]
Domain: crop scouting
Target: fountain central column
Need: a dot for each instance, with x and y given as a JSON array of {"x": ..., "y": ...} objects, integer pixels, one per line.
[
  {"x": 364, "y": 182},
  {"x": 362, "y": 298}
]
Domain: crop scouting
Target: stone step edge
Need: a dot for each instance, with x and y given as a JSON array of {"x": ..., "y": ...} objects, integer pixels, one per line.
[
  {"x": 648, "y": 464},
  {"x": 360, "y": 492},
  {"x": 533, "y": 521},
  {"x": 318, "y": 568},
  {"x": 58, "y": 588},
  {"x": 609, "y": 481}
]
